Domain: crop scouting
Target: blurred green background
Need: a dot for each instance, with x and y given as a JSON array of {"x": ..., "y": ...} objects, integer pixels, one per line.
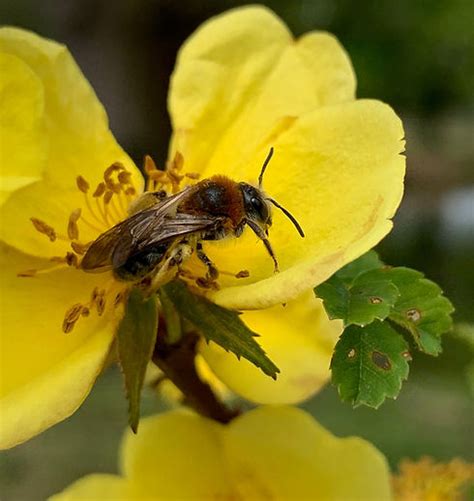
[{"x": 416, "y": 55}]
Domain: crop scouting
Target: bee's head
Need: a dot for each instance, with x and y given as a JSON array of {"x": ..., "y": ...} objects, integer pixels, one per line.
[{"x": 256, "y": 206}]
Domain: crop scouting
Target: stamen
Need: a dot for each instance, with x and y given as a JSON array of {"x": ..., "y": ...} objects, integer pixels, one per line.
[
  {"x": 193, "y": 175},
  {"x": 82, "y": 184},
  {"x": 71, "y": 259},
  {"x": 115, "y": 167},
  {"x": 99, "y": 191},
  {"x": 98, "y": 300},
  {"x": 124, "y": 177},
  {"x": 27, "y": 273},
  {"x": 44, "y": 228},
  {"x": 108, "y": 196},
  {"x": 71, "y": 317},
  {"x": 79, "y": 248},
  {"x": 72, "y": 228}
]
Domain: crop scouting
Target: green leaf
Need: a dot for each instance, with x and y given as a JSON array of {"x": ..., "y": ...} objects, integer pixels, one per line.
[
  {"x": 220, "y": 325},
  {"x": 368, "y": 261},
  {"x": 369, "y": 364},
  {"x": 136, "y": 340},
  {"x": 359, "y": 300},
  {"x": 421, "y": 308}
]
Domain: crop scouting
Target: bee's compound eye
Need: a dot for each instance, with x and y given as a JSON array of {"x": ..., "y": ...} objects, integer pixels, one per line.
[{"x": 256, "y": 204}]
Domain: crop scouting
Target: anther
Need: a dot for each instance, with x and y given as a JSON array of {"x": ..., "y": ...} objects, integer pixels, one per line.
[
  {"x": 100, "y": 304},
  {"x": 98, "y": 300},
  {"x": 82, "y": 184},
  {"x": 115, "y": 167},
  {"x": 44, "y": 228},
  {"x": 79, "y": 248},
  {"x": 108, "y": 197},
  {"x": 71, "y": 317},
  {"x": 157, "y": 175},
  {"x": 71, "y": 259},
  {"x": 242, "y": 274},
  {"x": 99, "y": 191},
  {"x": 27, "y": 273},
  {"x": 130, "y": 191},
  {"x": 149, "y": 164},
  {"x": 72, "y": 228},
  {"x": 119, "y": 298},
  {"x": 192, "y": 175},
  {"x": 124, "y": 177},
  {"x": 178, "y": 161}
]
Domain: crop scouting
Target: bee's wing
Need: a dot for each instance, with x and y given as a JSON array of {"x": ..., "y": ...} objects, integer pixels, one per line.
[
  {"x": 112, "y": 248},
  {"x": 167, "y": 228}
]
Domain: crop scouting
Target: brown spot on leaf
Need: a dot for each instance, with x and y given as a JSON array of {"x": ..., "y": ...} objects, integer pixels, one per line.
[
  {"x": 413, "y": 314},
  {"x": 352, "y": 353},
  {"x": 375, "y": 300},
  {"x": 381, "y": 360}
]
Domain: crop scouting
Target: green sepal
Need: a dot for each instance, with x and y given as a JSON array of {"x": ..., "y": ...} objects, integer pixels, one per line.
[
  {"x": 220, "y": 325},
  {"x": 136, "y": 338},
  {"x": 171, "y": 315},
  {"x": 369, "y": 364}
]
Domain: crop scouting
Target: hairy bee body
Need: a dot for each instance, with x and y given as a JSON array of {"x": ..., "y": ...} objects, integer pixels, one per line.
[{"x": 165, "y": 232}]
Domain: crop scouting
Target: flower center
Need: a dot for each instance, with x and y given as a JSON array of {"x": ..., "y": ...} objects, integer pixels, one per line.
[
  {"x": 103, "y": 207},
  {"x": 109, "y": 203}
]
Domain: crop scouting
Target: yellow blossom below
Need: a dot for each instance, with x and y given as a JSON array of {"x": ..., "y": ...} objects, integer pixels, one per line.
[{"x": 270, "y": 453}]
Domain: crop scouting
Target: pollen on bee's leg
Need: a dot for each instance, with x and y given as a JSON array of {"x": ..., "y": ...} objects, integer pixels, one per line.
[{"x": 207, "y": 283}]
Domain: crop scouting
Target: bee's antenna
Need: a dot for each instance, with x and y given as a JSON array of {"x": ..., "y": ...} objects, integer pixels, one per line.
[
  {"x": 264, "y": 166},
  {"x": 288, "y": 215}
]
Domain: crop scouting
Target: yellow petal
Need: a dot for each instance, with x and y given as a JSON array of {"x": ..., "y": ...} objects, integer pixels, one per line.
[
  {"x": 299, "y": 338},
  {"x": 277, "y": 453},
  {"x": 23, "y": 140},
  {"x": 240, "y": 76},
  {"x": 169, "y": 446},
  {"x": 96, "y": 487},
  {"x": 76, "y": 138},
  {"x": 339, "y": 171},
  {"x": 282, "y": 453},
  {"x": 46, "y": 374}
]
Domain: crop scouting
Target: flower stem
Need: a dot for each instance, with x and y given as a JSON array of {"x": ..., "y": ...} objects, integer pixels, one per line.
[{"x": 177, "y": 362}]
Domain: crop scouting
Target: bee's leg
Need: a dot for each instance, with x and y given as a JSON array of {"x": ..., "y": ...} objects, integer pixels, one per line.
[
  {"x": 180, "y": 253},
  {"x": 261, "y": 234},
  {"x": 212, "y": 271}
]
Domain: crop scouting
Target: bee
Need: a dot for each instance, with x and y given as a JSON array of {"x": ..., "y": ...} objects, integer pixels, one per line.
[{"x": 163, "y": 231}]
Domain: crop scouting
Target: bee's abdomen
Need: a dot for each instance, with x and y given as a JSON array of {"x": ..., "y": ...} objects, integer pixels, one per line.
[{"x": 141, "y": 264}]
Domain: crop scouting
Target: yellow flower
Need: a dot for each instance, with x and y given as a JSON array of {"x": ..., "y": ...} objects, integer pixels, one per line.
[
  {"x": 268, "y": 453},
  {"x": 425, "y": 480},
  {"x": 241, "y": 85}
]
